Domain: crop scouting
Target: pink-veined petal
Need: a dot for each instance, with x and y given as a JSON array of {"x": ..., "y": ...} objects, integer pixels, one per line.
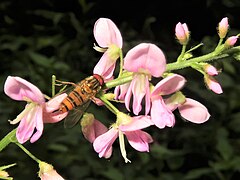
[
  {"x": 169, "y": 85},
  {"x": 161, "y": 115},
  {"x": 103, "y": 142},
  {"x": 145, "y": 57},
  {"x": 194, "y": 111},
  {"x": 120, "y": 91},
  {"x": 139, "y": 140},
  {"x": 138, "y": 122},
  {"x": 18, "y": 89},
  {"x": 107, "y": 33}
]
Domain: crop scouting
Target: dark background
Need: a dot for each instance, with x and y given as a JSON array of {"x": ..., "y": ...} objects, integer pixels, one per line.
[{"x": 42, "y": 38}]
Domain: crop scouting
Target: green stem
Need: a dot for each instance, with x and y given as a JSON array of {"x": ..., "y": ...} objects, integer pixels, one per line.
[
  {"x": 179, "y": 59},
  {"x": 28, "y": 152},
  {"x": 7, "y": 139},
  {"x": 109, "y": 105},
  {"x": 183, "y": 64},
  {"x": 121, "y": 63},
  {"x": 119, "y": 81},
  {"x": 53, "y": 85}
]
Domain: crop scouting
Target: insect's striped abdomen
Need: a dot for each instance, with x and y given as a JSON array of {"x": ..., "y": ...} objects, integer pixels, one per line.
[{"x": 82, "y": 93}]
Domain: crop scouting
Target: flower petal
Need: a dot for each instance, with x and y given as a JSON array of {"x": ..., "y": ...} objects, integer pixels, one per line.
[
  {"x": 105, "y": 66},
  {"x": 145, "y": 57},
  {"x": 107, "y": 33},
  {"x": 161, "y": 115},
  {"x": 27, "y": 125},
  {"x": 103, "y": 142},
  {"x": 18, "y": 89},
  {"x": 50, "y": 113},
  {"x": 194, "y": 111},
  {"x": 138, "y": 122},
  {"x": 38, "y": 125},
  {"x": 139, "y": 140},
  {"x": 139, "y": 88},
  {"x": 169, "y": 85}
]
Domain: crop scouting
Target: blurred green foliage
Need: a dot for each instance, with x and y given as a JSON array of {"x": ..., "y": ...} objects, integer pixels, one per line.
[{"x": 39, "y": 39}]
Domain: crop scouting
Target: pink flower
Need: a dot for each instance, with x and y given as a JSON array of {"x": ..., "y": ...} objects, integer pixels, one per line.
[
  {"x": 223, "y": 27},
  {"x": 129, "y": 126},
  {"x": 31, "y": 118},
  {"x": 47, "y": 172},
  {"x": 161, "y": 115},
  {"x": 212, "y": 84},
  {"x": 182, "y": 33},
  {"x": 145, "y": 60},
  {"x": 190, "y": 109},
  {"x": 91, "y": 127},
  {"x": 107, "y": 36},
  {"x": 231, "y": 41}
]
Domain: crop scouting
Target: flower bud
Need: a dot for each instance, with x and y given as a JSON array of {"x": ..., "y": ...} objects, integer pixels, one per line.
[
  {"x": 213, "y": 85},
  {"x": 231, "y": 41},
  {"x": 92, "y": 128},
  {"x": 210, "y": 70},
  {"x": 223, "y": 28},
  {"x": 182, "y": 33},
  {"x": 47, "y": 172}
]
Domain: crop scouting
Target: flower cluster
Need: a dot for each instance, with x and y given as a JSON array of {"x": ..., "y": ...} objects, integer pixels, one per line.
[{"x": 149, "y": 103}]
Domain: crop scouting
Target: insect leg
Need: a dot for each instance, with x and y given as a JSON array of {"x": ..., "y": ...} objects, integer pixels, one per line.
[{"x": 65, "y": 82}]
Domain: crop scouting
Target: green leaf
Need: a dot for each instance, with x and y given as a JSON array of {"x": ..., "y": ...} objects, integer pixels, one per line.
[
  {"x": 223, "y": 146},
  {"x": 197, "y": 173},
  {"x": 40, "y": 59}
]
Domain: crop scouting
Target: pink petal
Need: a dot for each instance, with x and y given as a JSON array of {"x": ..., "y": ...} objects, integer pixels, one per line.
[
  {"x": 103, "y": 142},
  {"x": 128, "y": 95},
  {"x": 139, "y": 89},
  {"x": 92, "y": 131},
  {"x": 50, "y": 111},
  {"x": 38, "y": 126},
  {"x": 169, "y": 85},
  {"x": 107, "y": 33},
  {"x": 123, "y": 90},
  {"x": 161, "y": 115},
  {"x": 18, "y": 89},
  {"x": 105, "y": 66},
  {"x": 145, "y": 58},
  {"x": 194, "y": 111},
  {"x": 139, "y": 140},
  {"x": 27, "y": 125},
  {"x": 138, "y": 122}
]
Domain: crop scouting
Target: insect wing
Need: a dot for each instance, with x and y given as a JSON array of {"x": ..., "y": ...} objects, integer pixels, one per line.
[{"x": 75, "y": 115}]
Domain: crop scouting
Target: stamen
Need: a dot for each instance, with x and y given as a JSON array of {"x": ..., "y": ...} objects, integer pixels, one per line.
[
  {"x": 122, "y": 147},
  {"x": 27, "y": 109}
]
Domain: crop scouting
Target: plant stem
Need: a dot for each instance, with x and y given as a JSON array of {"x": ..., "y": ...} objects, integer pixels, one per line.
[
  {"x": 109, "y": 105},
  {"x": 7, "y": 139},
  {"x": 28, "y": 152}
]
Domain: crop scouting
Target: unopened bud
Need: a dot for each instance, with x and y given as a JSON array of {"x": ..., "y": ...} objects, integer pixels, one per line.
[
  {"x": 210, "y": 70},
  {"x": 182, "y": 33},
  {"x": 223, "y": 28},
  {"x": 213, "y": 85},
  {"x": 231, "y": 41}
]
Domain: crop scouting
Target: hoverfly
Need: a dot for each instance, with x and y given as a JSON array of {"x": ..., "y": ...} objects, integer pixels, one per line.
[{"x": 79, "y": 98}]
